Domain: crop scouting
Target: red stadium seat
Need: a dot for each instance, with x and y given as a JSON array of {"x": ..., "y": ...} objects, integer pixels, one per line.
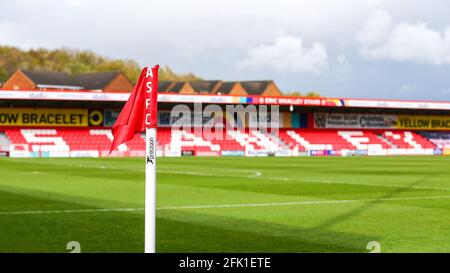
[{"x": 99, "y": 140}]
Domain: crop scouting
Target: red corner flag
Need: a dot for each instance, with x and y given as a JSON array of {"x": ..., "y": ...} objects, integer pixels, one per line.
[{"x": 140, "y": 111}]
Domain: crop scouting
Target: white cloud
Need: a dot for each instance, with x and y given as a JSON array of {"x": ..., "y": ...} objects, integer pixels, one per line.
[
  {"x": 410, "y": 88},
  {"x": 374, "y": 3},
  {"x": 73, "y": 2},
  {"x": 375, "y": 29},
  {"x": 381, "y": 38},
  {"x": 343, "y": 68},
  {"x": 210, "y": 37},
  {"x": 287, "y": 54},
  {"x": 341, "y": 58}
]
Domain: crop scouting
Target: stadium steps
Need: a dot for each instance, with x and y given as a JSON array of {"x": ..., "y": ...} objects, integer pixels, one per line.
[
  {"x": 424, "y": 142},
  {"x": 306, "y": 144},
  {"x": 244, "y": 139},
  {"x": 280, "y": 142},
  {"x": 357, "y": 139},
  {"x": 392, "y": 145},
  {"x": 267, "y": 141},
  {"x": 97, "y": 141}
]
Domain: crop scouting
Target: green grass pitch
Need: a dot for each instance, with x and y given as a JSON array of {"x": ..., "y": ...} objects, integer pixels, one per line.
[{"x": 305, "y": 204}]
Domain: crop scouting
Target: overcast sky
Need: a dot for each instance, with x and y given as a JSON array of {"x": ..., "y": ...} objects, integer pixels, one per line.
[{"x": 397, "y": 49}]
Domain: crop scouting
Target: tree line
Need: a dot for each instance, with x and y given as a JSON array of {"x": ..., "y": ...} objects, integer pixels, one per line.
[
  {"x": 311, "y": 94},
  {"x": 75, "y": 62}
]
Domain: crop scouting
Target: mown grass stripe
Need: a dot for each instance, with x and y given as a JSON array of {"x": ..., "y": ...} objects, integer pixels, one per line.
[{"x": 219, "y": 206}]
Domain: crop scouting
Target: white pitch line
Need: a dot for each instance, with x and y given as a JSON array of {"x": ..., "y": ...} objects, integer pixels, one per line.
[
  {"x": 255, "y": 175},
  {"x": 68, "y": 211},
  {"x": 364, "y": 184},
  {"x": 259, "y": 175},
  {"x": 320, "y": 202},
  {"x": 271, "y": 204}
]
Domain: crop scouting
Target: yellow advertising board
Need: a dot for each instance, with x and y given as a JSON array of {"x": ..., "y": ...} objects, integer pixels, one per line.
[
  {"x": 381, "y": 121},
  {"x": 422, "y": 122},
  {"x": 43, "y": 117}
]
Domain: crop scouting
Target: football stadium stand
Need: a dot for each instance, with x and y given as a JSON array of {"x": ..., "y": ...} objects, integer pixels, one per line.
[
  {"x": 440, "y": 139},
  {"x": 96, "y": 142},
  {"x": 49, "y": 119}
]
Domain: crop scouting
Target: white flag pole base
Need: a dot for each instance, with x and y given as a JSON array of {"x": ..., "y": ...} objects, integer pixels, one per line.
[{"x": 150, "y": 190}]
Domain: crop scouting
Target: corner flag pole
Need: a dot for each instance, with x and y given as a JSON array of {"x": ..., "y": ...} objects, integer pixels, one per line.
[
  {"x": 140, "y": 114},
  {"x": 151, "y": 115},
  {"x": 150, "y": 191}
]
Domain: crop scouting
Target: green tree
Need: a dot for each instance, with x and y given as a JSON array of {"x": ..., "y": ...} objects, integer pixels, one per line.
[
  {"x": 294, "y": 94},
  {"x": 3, "y": 74},
  {"x": 298, "y": 94},
  {"x": 75, "y": 62},
  {"x": 313, "y": 94}
]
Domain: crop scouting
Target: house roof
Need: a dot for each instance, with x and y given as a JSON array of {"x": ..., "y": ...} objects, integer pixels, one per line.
[
  {"x": 177, "y": 87},
  {"x": 95, "y": 81},
  {"x": 50, "y": 78},
  {"x": 88, "y": 81},
  {"x": 165, "y": 86},
  {"x": 255, "y": 87},
  {"x": 204, "y": 86},
  {"x": 226, "y": 87}
]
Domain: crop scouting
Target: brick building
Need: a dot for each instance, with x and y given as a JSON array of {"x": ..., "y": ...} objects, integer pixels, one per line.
[
  {"x": 259, "y": 88},
  {"x": 47, "y": 80},
  {"x": 117, "y": 82}
]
